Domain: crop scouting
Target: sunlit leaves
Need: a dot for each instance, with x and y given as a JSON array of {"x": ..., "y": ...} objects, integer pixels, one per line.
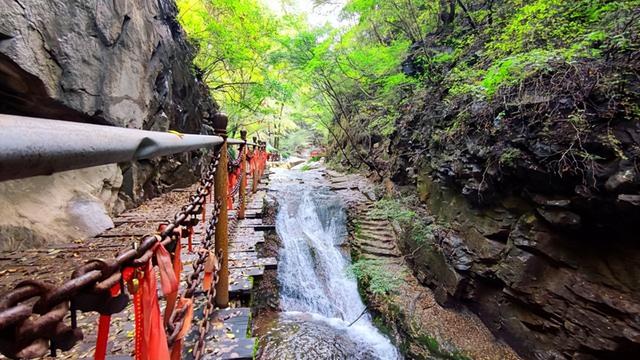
[
  {"x": 275, "y": 75},
  {"x": 234, "y": 38}
]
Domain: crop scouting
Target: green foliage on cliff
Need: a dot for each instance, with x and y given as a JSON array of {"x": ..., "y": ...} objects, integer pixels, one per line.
[
  {"x": 412, "y": 223},
  {"x": 522, "y": 37},
  {"x": 375, "y": 277},
  {"x": 459, "y": 53},
  {"x": 392, "y": 209},
  {"x": 352, "y": 84}
]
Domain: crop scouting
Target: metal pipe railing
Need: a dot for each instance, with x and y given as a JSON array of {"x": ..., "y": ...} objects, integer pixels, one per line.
[
  {"x": 33, "y": 315},
  {"x": 33, "y": 146},
  {"x": 235, "y": 141}
]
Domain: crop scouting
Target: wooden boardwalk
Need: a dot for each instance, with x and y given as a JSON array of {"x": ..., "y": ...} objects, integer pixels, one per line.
[{"x": 229, "y": 336}]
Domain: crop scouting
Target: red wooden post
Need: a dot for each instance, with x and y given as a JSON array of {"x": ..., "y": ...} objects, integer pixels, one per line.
[
  {"x": 243, "y": 173},
  {"x": 254, "y": 168},
  {"x": 221, "y": 235}
]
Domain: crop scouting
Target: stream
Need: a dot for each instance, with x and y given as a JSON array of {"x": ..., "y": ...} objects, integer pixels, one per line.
[{"x": 319, "y": 299}]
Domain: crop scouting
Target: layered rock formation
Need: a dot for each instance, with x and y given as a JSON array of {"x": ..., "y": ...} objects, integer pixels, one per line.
[
  {"x": 409, "y": 314},
  {"x": 550, "y": 263},
  {"x": 538, "y": 186},
  {"x": 122, "y": 63},
  {"x": 555, "y": 293}
]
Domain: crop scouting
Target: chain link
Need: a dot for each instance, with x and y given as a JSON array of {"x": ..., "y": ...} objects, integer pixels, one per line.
[
  {"x": 177, "y": 317},
  {"x": 203, "y": 329},
  {"x": 236, "y": 187},
  {"x": 26, "y": 336},
  {"x": 234, "y": 164}
]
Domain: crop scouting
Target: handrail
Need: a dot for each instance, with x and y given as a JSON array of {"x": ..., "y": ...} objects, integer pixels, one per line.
[
  {"x": 238, "y": 142},
  {"x": 35, "y": 326},
  {"x": 33, "y": 146}
]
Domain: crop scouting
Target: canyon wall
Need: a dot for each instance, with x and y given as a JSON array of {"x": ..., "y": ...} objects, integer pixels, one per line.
[
  {"x": 537, "y": 191},
  {"x": 113, "y": 62}
]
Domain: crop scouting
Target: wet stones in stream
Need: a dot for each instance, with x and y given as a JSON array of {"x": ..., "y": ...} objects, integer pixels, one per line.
[{"x": 300, "y": 336}]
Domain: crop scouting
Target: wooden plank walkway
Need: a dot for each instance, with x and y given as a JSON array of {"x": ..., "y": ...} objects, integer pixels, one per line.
[
  {"x": 228, "y": 339},
  {"x": 229, "y": 336}
]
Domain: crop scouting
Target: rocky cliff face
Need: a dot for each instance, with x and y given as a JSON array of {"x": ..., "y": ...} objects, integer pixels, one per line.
[
  {"x": 540, "y": 196},
  {"x": 522, "y": 136},
  {"x": 553, "y": 293},
  {"x": 123, "y": 62},
  {"x": 113, "y": 62}
]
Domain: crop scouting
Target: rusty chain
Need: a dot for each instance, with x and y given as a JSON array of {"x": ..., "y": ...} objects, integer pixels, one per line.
[
  {"x": 236, "y": 187},
  {"x": 203, "y": 329},
  {"x": 177, "y": 317},
  {"x": 24, "y": 336},
  {"x": 235, "y": 163}
]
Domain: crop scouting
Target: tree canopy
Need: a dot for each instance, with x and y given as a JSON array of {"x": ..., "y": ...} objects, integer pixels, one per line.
[{"x": 276, "y": 74}]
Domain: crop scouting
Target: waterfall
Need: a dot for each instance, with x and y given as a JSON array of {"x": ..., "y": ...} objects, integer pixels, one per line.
[{"x": 313, "y": 267}]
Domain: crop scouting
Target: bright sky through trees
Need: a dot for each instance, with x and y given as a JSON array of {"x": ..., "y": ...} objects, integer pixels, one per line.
[
  {"x": 317, "y": 15},
  {"x": 292, "y": 69}
]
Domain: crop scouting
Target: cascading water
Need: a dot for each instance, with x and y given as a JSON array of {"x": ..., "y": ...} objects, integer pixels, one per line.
[{"x": 318, "y": 296}]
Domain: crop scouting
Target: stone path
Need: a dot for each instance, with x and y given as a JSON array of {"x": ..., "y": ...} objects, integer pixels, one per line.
[
  {"x": 457, "y": 332},
  {"x": 373, "y": 236}
]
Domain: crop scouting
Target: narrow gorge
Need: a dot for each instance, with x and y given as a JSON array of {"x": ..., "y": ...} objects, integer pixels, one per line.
[{"x": 442, "y": 179}]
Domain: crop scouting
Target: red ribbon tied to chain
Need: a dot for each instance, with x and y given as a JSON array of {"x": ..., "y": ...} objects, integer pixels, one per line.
[
  {"x": 210, "y": 267},
  {"x": 151, "y": 339}
]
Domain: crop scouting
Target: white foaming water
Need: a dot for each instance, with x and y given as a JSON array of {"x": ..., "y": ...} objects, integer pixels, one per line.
[{"x": 313, "y": 269}]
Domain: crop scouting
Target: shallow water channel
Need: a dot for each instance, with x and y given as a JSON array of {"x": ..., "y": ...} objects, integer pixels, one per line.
[{"x": 318, "y": 297}]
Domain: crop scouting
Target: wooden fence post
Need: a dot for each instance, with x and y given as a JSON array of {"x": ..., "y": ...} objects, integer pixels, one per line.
[
  {"x": 254, "y": 168},
  {"x": 243, "y": 172},
  {"x": 263, "y": 157},
  {"x": 220, "y": 189}
]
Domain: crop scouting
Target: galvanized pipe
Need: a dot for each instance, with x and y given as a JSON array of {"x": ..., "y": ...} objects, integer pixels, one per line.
[
  {"x": 238, "y": 142},
  {"x": 32, "y": 146}
]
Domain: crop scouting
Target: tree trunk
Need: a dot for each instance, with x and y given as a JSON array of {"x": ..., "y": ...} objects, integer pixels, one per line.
[{"x": 447, "y": 12}]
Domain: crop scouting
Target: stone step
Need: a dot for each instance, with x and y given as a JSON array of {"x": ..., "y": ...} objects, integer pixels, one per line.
[
  {"x": 243, "y": 255},
  {"x": 386, "y": 260},
  {"x": 246, "y": 272},
  {"x": 257, "y": 227},
  {"x": 377, "y": 251},
  {"x": 361, "y": 211},
  {"x": 377, "y": 244},
  {"x": 268, "y": 263},
  {"x": 248, "y": 232},
  {"x": 375, "y": 227},
  {"x": 242, "y": 247},
  {"x": 251, "y": 221},
  {"x": 253, "y": 214},
  {"x": 376, "y": 218},
  {"x": 363, "y": 222},
  {"x": 244, "y": 242},
  {"x": 387, "y": 229},
  {"x": 376, "y": 236},
  {"x": 240, "y": 286}
]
